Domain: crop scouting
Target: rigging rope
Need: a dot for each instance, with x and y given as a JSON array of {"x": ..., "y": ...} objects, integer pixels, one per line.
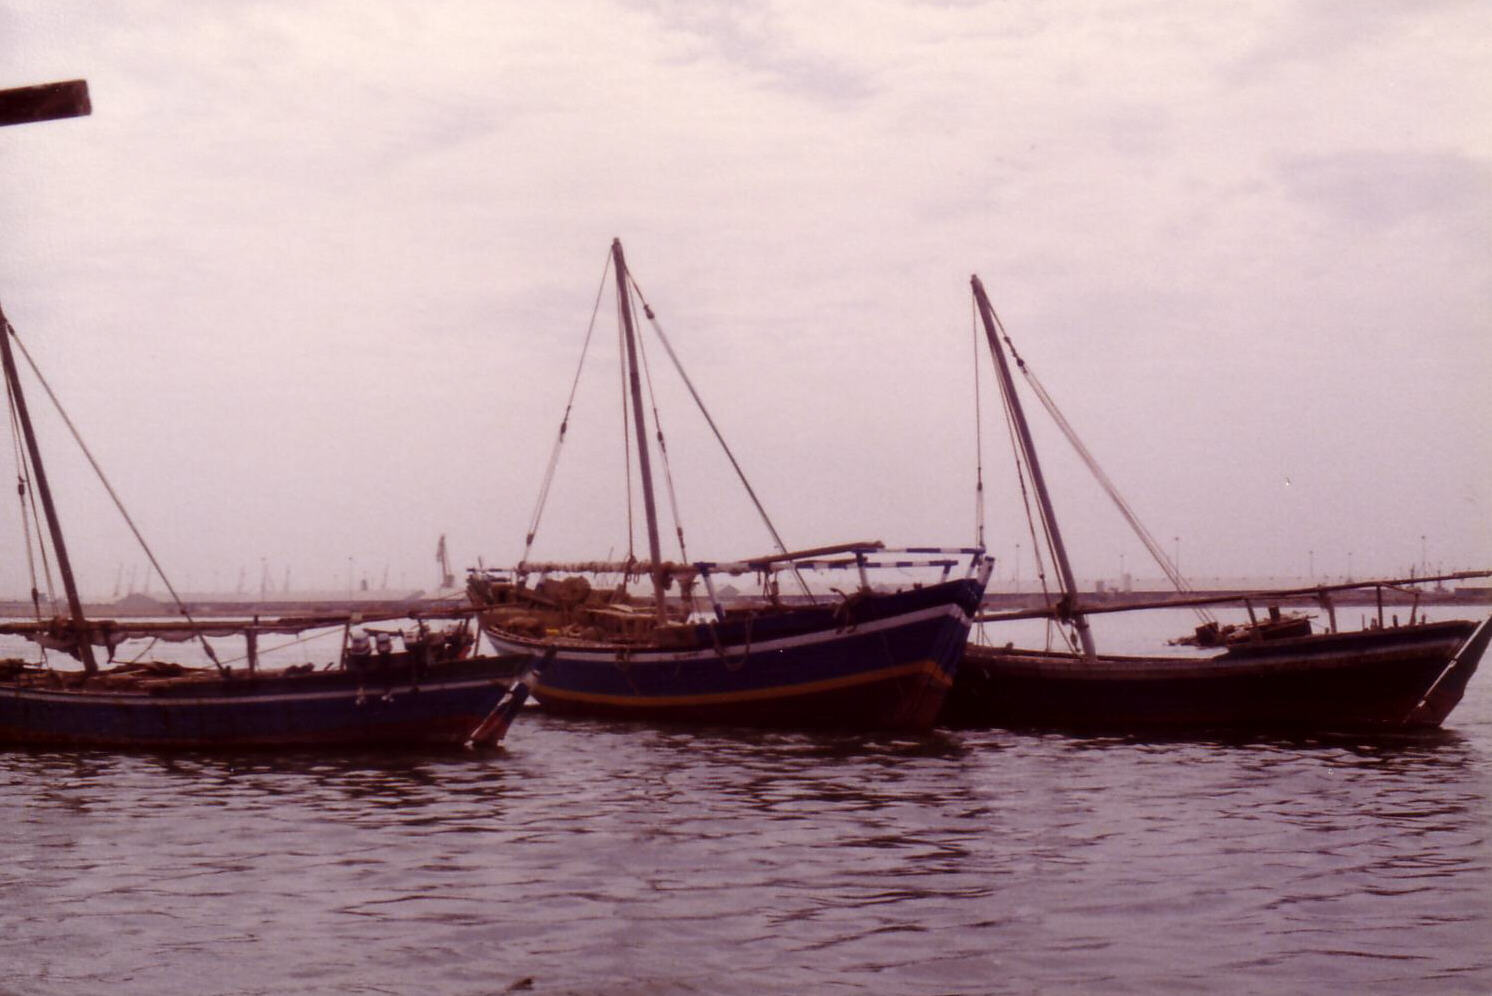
[
  {"x": 554, "y": 453},
  {"x": 978, "y": 433},
  {"x": 113, "y": 495},
  {"x": 647, "y": 310},
  {"x": 673, "y": 501},
  {"x": 1144, "y": 534},
  {"x": 1038, "y": 561},
  {"x": 621, "y": 347},
  {"x": 627, "y": 437},
  {"x": 27, "y": 497}
]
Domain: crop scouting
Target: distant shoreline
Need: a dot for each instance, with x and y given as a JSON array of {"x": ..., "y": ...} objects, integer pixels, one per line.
[{"x": 145, "y": 606}]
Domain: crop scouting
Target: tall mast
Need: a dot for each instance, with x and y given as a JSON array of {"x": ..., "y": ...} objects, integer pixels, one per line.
[
  {"x": 644, "y": 463},
  {"x": 26, "y": 105},
  {"x": 38, "y": 470},
  {"x": 1028, "y": 448}
]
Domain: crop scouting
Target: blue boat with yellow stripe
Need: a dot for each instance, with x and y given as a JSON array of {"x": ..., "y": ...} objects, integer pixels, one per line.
[
  {"x": 858, "y": 656},
  {"x": 869, "y": 659}
]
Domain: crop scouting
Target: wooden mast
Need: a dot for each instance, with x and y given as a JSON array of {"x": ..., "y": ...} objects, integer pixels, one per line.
[
  {"x": 1028, "y": 448},
  {"x": 644, "y": 463},
  {"x": 26, "y": 105},
  {"x": 38, "y": 470}
]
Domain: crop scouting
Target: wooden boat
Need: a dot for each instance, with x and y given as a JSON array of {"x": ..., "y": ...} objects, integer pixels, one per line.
[
  {"x": 1396, "y": 678},
  {"x": 867, "y": 659},
  {"x": 1271, "y": 673},
  {"x": 430, "y": 691}
]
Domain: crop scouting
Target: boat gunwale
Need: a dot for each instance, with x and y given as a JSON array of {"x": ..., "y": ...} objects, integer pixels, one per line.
[
  {"x": 607, "y": 652},
  {"x": 1274, "y": 658}
]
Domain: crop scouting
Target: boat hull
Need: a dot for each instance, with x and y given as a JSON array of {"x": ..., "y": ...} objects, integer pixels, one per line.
[
  {"x": 395, "y": 706},
  {"x": 883, "y": 661},
  {"x": 1403, "y": 678}
]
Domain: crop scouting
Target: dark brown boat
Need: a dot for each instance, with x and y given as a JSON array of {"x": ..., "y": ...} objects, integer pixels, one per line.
[
  {"x": 1406, "y": 677},
  {"x": 1271, "y": 673}
]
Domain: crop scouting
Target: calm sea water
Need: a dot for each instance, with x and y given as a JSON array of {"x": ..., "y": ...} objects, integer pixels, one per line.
[{"x": 602, "y": 858}]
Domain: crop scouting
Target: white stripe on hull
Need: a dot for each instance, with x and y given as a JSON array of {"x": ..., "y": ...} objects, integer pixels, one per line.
[{"x": 588, "y": 652}]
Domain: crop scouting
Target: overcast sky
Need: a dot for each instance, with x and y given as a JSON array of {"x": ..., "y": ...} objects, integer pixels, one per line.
[{"x": 313, "y": 278}]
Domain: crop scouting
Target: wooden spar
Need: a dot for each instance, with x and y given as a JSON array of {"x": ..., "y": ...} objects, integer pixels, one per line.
[
  {"x": 644, "y": 464},
  {"x": 1028, "y": 447},
  {"x": 282, "y": 625},
  {"x": 64, "y": 564},
  {"x": 864, "y": 546},
  {"x": 25, "y": 105},
  {"x": 44, "y": 102},
  {"x": 1317, "y": 591},
  {"x": 721, "y": 566}
]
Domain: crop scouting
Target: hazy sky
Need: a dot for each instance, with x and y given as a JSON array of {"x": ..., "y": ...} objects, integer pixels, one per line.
[{"x": 313, "y": 278}]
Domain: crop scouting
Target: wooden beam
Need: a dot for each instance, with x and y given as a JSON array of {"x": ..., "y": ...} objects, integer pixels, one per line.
[
  {"x": 1093, "y": 608},
  {"x": 44, "y": 102}
]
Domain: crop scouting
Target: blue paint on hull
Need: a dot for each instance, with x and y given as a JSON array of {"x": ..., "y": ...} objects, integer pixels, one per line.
[
  {"x": 879, "y": 661},
  {"x": 442, "y": 706}
]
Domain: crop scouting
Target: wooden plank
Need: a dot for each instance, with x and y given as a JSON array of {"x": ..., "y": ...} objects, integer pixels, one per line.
[
  {"x": 44, "y": 102},
  {"x": 1263, "y": 595}
]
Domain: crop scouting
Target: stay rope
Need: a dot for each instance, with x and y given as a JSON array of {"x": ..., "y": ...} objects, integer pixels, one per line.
[
  {"x": 1038, "y": 561},
  {"x": 26, "y": 498},
  {"x": 626, "y": 423},
  {"x": 550, "y": 471},
  {"x": 1154, "y": 548},
  {"x": 554, "y": 453},
  {"x": 673, "y": 501},
  {"x": 978, "y": 433},
  {"x": 29, "y": 514},
  {"x": 114, "y": 496},
  {"x": 761, "y": 511}
]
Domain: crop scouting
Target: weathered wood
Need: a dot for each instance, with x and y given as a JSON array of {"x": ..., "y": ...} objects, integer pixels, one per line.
[
  {"x": 44, "y": 491},
  {"x": 624, "y": 306},
  {"x": 1318, "y": 591},
  {"x": 1038, "y": 482},
  {"x": 44, "y": 102}
]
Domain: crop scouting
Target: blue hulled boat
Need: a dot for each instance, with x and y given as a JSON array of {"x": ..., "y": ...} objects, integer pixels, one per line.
[
  {"x": 429, "y": 691},
  {"x": 868, "y": 657},
  {"x": 868, "y": 660},
  {"x": 428, "y": 694}
]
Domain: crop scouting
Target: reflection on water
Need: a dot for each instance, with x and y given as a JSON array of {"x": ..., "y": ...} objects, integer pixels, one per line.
[{"x": 596, "y": 857}]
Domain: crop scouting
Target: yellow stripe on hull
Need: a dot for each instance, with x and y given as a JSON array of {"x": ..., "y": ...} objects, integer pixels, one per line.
[{"x": 926, "y": 668}]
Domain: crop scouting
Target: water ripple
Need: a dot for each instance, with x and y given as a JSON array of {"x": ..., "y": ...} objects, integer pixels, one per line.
[{"x": 594, "y": 857}]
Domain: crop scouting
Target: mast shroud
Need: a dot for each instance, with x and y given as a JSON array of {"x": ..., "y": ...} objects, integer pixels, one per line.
[
  {"x": 64, "y": 564},
  {"x": 1038, "y": 481}
]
